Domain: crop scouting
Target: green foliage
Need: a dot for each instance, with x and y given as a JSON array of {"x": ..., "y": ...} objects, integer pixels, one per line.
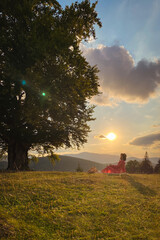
[
  {"x": 33, "y": 158},
  {"x": 146, "y": 165},
  {"x": 39, "y": 46},
  {"x": 2, "y": 153},
  {"x": 45, "y": 205},
  {"x": 53, "y": 157},
  {"x": 157, "y": 167},
  {"x": 133, "y": 166}
]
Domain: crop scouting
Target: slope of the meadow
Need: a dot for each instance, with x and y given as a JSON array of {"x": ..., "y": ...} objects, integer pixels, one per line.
[{"x": 57, "y": 205}]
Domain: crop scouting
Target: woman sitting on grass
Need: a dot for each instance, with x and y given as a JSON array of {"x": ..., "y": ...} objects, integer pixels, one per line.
[{"x": 119, "y": 168}]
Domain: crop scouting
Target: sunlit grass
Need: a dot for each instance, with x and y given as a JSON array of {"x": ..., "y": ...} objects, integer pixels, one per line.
[{"x": 38, "y": 205}]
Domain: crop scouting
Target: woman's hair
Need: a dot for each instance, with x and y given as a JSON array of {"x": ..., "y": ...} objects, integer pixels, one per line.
[{"x": 123, "y": 156}]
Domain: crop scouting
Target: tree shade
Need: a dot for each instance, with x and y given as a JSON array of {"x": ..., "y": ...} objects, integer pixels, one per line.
[{"x": 45, "y": 82}]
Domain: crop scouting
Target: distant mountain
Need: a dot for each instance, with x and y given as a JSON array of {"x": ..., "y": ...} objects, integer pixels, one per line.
[
  {"x": 153, "y": 160},
  {"x": 96, "y": 157},
  {"x": 133, "y": 158},
  {"x": 66, "y": 163},
  {"x": 85, "y": 160},
  {"x": 107, "y": 158}
]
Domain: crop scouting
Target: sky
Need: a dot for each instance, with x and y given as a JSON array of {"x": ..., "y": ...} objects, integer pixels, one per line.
[{"x": 127, "y": 52}]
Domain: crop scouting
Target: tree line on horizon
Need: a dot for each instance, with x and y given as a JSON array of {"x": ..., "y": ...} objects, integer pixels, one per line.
[
  {"x": 134, "y": 166},
  {"x": 145, "y": 166}
]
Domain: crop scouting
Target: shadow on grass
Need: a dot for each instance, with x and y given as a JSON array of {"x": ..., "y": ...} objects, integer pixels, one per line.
[{"x": 139, "y": 186}]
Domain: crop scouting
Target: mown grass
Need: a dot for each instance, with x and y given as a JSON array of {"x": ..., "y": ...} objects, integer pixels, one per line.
[{"x": 56, "y": 205}]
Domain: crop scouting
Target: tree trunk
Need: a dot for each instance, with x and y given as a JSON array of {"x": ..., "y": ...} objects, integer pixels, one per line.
[{"x": 17, "y": 156}]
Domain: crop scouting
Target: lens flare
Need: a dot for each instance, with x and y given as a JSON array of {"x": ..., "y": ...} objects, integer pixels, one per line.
[{"x": 23, "y": 82}]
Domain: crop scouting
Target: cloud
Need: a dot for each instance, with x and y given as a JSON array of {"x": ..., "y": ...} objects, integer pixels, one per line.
[
  {"x": 103, "y": 99},
  {"x": 120, "y": 78},
  {"x": 146, "y": 140},
  {"x": 100, "y": 137}
]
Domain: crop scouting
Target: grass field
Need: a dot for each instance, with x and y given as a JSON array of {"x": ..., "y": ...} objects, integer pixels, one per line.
[{"x": 56, "y": 205}]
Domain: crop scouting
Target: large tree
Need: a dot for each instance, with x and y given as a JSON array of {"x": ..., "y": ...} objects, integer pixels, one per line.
[
  {"x": 133, "y": 166},
  {"x": 146, "y": 165},
  {"x": 45, "y": 82}
]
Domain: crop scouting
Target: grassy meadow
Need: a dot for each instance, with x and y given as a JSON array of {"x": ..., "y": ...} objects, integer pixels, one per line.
[{"x": 57, "y": 205}]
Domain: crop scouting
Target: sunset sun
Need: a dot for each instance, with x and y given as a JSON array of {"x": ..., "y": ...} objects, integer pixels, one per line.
[{"x": 111, "y": 136}]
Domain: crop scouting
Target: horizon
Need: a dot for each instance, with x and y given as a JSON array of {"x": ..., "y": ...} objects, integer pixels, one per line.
[{"x": 115, "y": 155}]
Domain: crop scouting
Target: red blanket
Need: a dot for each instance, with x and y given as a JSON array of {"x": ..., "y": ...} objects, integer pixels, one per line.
[{"x": 119, "y": 168}]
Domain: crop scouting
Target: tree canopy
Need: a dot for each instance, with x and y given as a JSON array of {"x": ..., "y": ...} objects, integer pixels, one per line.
[
  {"x": 45, "y": 82},
  {"x": 146, "y": 165},
  {"x": 133, "y": 166}
]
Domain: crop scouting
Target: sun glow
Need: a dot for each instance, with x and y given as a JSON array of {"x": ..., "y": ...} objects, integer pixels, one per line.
[{"x": 111, "y": 136}]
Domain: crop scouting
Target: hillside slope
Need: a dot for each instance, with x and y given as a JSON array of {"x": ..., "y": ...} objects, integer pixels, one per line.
[
  {"x": 96, "y": 157},
  {"x": 66, "y": 163},
  {"x": 107, "y": 158},
  {"x": 61, "y": 206}
]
